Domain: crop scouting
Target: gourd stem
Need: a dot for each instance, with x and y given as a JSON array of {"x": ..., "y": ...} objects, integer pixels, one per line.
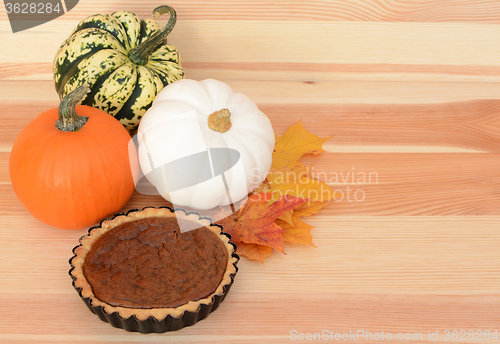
[
  {"x": 140, "y": 53},
  {"x": 219, "y": 121},
  {"x": 69, "y": 120}
]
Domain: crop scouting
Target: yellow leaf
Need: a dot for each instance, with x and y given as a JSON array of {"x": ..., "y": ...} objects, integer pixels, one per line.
[
  {"x": 294, "y": 143},
  {"x": 297, "y": 182}
]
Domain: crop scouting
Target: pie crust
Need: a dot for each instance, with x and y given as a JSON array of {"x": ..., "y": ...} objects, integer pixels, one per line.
[{"x": 143, "y": 315}]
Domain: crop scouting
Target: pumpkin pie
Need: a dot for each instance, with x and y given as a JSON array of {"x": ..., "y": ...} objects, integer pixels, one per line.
[{"x": 140, "y": 272}]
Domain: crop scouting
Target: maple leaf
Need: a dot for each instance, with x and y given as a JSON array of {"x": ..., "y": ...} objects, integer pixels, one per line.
[
  {"x": 297, "y": 233},
  {"x": 264, "y": 187},
  {"x": 295, "y": 142},
  {"x": 287, "y": 216},
  {"x": 254, "y": 251},
  {"x": 298, "y": 182},
  {"x": 309, "y": 208},
  {"x": 254, "y": 223}
]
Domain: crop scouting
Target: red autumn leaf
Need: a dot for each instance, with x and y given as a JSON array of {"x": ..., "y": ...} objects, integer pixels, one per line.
[{"x": 254, "y": 223}]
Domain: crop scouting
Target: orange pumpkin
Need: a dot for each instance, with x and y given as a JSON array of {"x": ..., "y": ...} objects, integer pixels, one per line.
[{"x": 70, "y": 167}]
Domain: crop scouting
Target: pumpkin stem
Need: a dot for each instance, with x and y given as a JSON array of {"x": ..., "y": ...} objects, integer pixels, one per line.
[
  {"x": 219, "y": 121},
  {"x": 69, "y": 120},
  {"x": 140, "y": 53}
]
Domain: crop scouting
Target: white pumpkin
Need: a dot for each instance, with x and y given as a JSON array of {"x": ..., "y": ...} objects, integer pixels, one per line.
[{"x": 187, "y": 124}]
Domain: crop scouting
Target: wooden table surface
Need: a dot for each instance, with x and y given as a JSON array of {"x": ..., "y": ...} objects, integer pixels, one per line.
[{"x": 411, "y": 91}]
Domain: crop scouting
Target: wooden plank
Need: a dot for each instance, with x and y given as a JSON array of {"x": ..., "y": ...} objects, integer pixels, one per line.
[
  {"x": 425, "y": 199},
  {"x": 229, "y": 41},
  {"x": 373, "y": 254},
  {"x": 4, "y": 167},
  {"x": 470, "y": 124},
  {"x": 374, "y": 184},
  {"x": 283, "y": 318},
  {"x": 16, "y": 71},
  {"x": 299, "y": 72},
  {"x": 302, "y": 97},
  {"x": 381, "y": 186},
  {"x": 295, "y": 10}
]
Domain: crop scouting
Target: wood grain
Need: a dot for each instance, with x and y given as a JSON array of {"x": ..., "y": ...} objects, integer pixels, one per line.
[
  {"x": 287, "y": 42},
  {"x": 408, "y": 88},
  {"x": 334, "y": 10},
  {"x": 473, "y": 124},
  {"x": 371, "y": 254}
]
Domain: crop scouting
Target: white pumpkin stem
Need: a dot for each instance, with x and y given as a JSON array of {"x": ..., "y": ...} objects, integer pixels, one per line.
[
  {"x": 219, "y": 121},
  {"x": 140, "y": 54},
  {"x": 69, "y": 120}
]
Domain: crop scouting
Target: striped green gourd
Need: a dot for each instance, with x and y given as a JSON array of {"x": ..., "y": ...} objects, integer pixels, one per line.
[{"x": 125, "y": 62}]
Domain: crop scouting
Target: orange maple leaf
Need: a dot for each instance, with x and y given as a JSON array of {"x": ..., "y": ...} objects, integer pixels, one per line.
[
  {"x": 297, "y": 233},
  {"x": 254, "y": 223},
  {"x": 309, "y": 208},
  {"x": 264, "y": 187},
  {"x": 287, "y": 216},
  {"x": 254, "y": 251},
  {"x": 295, "y": 142}
]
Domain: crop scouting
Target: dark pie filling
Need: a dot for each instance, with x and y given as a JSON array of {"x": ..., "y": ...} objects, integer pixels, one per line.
[{"x": 149, "y": 263}]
